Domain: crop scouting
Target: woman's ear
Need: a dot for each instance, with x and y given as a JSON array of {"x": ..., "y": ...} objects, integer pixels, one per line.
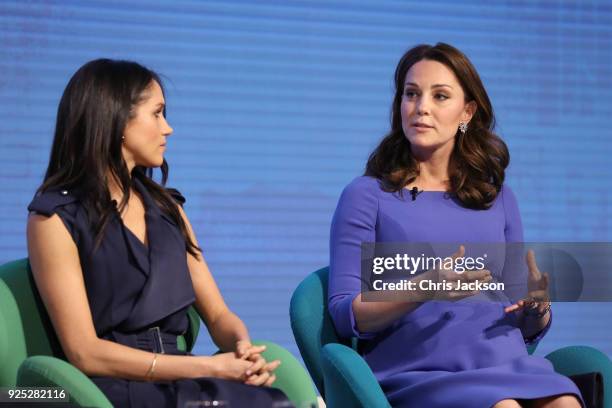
[{"x": 469, "y": 111}]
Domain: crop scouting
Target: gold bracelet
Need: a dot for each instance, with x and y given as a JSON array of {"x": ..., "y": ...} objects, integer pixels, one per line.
[{"x": 151, "y": 371}]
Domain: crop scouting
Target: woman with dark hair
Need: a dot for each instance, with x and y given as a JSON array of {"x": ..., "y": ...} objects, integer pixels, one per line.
[
  {"x": 115, "y": 259},
  {"x": 438, "y": 177}
]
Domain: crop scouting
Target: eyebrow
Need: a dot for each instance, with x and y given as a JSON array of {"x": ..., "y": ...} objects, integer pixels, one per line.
[
  {"x": 160, "y": 105},
  {"x": 433, "y": 86}
]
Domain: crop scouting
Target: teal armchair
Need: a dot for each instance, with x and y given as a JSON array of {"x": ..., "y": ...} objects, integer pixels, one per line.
[
  {"x": 345, "y": 380},
  {"x": 31, "y": 355}
]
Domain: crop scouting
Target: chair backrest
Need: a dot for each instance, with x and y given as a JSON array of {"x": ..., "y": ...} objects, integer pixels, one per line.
[
  {"x": 311, "y": 324},
  {"x": 25, "y": 327}
]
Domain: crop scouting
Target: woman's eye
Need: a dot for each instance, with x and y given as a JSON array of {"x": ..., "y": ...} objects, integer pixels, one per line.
[
  {"x": 158, "y": 113},
  {"x": 410, "y": 94},
  {"x": 441, "y": 97}
]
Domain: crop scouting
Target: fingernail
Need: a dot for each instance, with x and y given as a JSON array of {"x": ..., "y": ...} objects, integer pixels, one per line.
[{"x": 248, "y": 372}]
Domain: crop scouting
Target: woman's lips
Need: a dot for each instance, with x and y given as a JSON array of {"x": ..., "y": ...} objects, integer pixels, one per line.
[{"x": 422, "y": 128}]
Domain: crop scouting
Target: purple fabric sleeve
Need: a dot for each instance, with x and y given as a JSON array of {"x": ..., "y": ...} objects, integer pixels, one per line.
[
  {"x": 535, "y": 339},
  {"x": 514, "y": 274},
  {"x": 515, "y": 267},
  {"x": 354, "y": 222}
]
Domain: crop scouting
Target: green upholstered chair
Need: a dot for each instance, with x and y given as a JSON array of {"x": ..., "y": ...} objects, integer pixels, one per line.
[
  {"x": 30, "y": 354},
  {"x": 345, "y": 380}
]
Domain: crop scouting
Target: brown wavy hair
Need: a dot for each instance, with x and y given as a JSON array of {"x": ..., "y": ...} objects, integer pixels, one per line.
[{"x": 479, "y": 158}]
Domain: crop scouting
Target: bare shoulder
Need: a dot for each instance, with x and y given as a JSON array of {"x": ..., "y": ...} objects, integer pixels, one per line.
[
  {"x": 184, "y": 217},
  {"x": 51, "y": 229},
  {"x": 50, "y": 245}
]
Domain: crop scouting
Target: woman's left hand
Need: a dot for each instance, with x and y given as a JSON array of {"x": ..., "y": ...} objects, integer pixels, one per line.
[
  {"x": 246, "y": 351},
  {"x": 537, "y": 300},
  {"x": 261, "y": 372}
]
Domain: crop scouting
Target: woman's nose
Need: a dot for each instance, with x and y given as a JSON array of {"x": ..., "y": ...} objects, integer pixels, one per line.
[
  {"x": 422, "y": 106},
  {"x": 167, "y": 130}
]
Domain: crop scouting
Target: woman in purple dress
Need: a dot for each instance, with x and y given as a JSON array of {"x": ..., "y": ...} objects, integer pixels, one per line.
[
  {"x": 115, "y": 259},
  {"x": 437, "y": 177}
]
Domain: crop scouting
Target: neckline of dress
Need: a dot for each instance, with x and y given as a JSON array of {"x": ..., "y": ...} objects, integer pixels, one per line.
[
  {"x": 147, "y": 203},
  {"x": 133, "y": 235},
  {"x": 426, "y": 191}
]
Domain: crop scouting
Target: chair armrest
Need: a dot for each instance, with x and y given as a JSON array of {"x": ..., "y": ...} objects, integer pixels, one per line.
[
  {"x": 574, "y": 360},
  {"x": 349, "y": 381},
  {"x": 46, "y": 371},
  {"x": 291, "y": 377},
  {"x": 189, "y": 338}
]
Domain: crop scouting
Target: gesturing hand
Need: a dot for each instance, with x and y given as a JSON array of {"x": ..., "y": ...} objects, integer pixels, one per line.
[
  {"x": 456, "y": 280},
  {"x": 537, "y": 300}
]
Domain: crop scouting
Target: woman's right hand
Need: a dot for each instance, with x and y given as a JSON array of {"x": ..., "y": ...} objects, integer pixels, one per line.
[
  {"x": 229, "y": 367},
  {"x": 452, "y": 278}
]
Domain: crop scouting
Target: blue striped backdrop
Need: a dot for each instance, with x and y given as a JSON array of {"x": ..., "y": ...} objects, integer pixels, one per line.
[{"x": 276, "y": 105}]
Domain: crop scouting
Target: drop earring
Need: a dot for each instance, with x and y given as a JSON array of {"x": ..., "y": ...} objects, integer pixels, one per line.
[{"x": 463, "y": 127}]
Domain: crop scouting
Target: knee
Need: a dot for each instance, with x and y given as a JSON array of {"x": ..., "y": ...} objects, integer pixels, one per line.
[
  {"x": 507, "y": 403},
  {"x": 568, "y": 401},
  {"x": 562, "y": 401}
]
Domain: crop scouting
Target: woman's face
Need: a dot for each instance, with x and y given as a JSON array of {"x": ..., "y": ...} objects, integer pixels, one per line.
[
  {"x": 433, "y": 104},
  {"x": 145, "y": 135}
]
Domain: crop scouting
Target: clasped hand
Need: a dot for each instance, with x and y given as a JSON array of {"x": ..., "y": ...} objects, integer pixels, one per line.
[
  {"x": 245, "y": 364},
  {"x": 259, "y": 372}
]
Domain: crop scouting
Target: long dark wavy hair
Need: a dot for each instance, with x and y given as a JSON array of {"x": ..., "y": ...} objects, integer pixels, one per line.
[
  {"x": 97, "y": 104},
  {"x": 479, "y": 158}
]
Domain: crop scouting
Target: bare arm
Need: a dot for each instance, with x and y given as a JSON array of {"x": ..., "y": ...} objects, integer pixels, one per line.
[
  {"x": 59, "y": 278},
  {"x": 225, "y": 328}
]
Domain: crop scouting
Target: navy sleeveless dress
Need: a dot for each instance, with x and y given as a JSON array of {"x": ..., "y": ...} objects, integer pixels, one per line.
[{"x": 139, "y": 295}]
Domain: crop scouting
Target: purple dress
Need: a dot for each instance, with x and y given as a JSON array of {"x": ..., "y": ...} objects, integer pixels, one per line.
[{"x": 442, "y": 354}]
